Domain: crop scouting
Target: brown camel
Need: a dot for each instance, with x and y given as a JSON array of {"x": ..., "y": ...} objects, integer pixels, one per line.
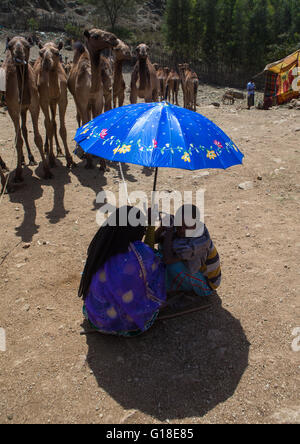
[
  {"x": 182, "y": 75},
  {"x": 107, "y": 80},
  {"x": 144, "y": 81},
  {"x": 21, "y": 96},
  {"x": 67, "y": 67},
  {"x": 2, "y": 169},
  {"x": 173, "y": 82},
  {"x": 121, "y": 53},
  {"x": 85, "y": 79},
  {"x": 192, "y": 84},
  {"x": 162, "y": 78},
  {"x": 2, "y": 177},
  {"x": 52, "y": 85}
]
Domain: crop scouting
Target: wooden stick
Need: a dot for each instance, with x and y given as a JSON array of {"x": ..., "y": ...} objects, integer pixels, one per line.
[
  {"x": 192, "y": 310},
  {"x": 161, "y": 318}
]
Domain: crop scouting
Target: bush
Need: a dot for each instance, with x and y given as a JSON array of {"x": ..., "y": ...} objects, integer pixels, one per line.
[
  {"x": 123, "y": 33},
  {"x": 73, "y": 31},
  {"x": 32, "y": 24}
]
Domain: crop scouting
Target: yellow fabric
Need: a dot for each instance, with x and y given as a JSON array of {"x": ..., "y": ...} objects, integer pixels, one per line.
[
  {"x": 150, "y": 237},
  {"x": 282, "y": 65}
]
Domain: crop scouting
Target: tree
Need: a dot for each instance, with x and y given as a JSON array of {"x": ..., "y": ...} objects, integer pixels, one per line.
[
  {"x": 178, "y": 27},
  {"x": 113, "y": 9}
]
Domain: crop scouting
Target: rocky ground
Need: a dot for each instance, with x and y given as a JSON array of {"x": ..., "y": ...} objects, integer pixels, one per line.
[{"x": 232, "y": 364}]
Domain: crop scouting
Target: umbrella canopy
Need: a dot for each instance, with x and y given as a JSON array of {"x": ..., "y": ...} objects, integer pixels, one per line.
[{"x": 159, "y": 135}]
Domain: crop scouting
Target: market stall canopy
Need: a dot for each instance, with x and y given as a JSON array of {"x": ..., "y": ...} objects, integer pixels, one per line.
[{"x": 284, "y": 64}]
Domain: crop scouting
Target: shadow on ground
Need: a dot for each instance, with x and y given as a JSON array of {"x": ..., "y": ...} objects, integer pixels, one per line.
[{"x": 181, "y": 368}]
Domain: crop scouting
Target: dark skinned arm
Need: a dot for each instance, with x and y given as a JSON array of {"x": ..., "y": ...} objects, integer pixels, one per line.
[{"x": 168, "y": 255}]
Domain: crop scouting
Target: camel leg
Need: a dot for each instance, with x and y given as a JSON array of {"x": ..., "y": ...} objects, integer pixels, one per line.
[
  {"x": 49, "y": 132},
  {"x": 35, "y": 111},
  {"x": 83, "y": 112},
  {"x": 115, "y": 97},
  {"x": 59, "y": 152},
  {"x": 154, "y": 97},
  {"x": 32, "y": 162},
  {"x": 46, "y": 146},
  {"x": 3, "y": 165},
  {"x": 19, "y": 145},
  {"x": 122, "y": 97},
  {"x": 2, "y": 177},
  {"x": 133, "y": 96},
  {"x": 62, "y": 106},
  {"x": 96, "y": 107}
]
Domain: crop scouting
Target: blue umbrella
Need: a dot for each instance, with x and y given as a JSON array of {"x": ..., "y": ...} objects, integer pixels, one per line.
[{"x": 159, "y": 135}]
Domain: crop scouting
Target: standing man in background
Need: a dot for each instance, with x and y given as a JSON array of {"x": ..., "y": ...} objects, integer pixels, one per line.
[{"x": 251, "y": 92}]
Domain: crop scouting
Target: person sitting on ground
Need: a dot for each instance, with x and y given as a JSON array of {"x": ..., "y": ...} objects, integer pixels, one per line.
[
  {"x": 123, "y": 283},
  {"x": 192, "y": 261}
]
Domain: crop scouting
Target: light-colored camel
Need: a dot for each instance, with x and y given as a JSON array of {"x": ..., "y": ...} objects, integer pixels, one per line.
[
  {"x": 52, "y": 85},
  {"x": 173, "y": 83},
  {"x": 121, "y": 53},
  {"x": 144, "y": 81},
  {"x": 85, "y": 79},
  {"x": 21, "y": 96}
]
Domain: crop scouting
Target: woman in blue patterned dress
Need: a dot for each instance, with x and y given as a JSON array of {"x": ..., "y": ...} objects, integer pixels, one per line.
[{"x": 123, "y": 283}]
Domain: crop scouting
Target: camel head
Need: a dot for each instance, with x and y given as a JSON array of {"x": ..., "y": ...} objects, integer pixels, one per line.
[
  {"x": 49, "y": 53},
  {"x": 122, "y": 51},
  {"x": 96, "y": 40},
  {"x": 19, "y": 48},
  {"x": 142, "y": 51}
]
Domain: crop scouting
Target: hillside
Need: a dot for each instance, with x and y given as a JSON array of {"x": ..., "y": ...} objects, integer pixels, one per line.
[{"x": 55, "y": 15}]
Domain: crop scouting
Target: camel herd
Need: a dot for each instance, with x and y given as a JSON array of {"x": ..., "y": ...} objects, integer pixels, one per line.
[{"x": 95, "y": 81}]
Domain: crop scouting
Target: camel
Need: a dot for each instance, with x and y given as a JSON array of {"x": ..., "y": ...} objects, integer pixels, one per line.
[
  {"x": 67, "y": 67},
  {"x": 121, "y": 53},
  {"x": 173, "y": 82},
  {"x": 192, "y": 85},
  {"x": 107, "y": 80},
  {"x": 21, "y": 96},
  {"x": 182, "y": 75},
  {"x": 144, "y": 81},
  {"x": 85, "y": 79},
  {"x": 52, "y": 85},
  {"x": 2, "y": 169},
  {"x": 162, "y": 78}
]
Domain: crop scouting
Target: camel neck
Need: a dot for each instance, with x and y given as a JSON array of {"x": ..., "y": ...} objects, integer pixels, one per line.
[
  {"x": 96, "y": 72},
  {"x": 23, "y": 85},
  {"x": 118, "y": 68},
  {"x": 143, "y": 73}
]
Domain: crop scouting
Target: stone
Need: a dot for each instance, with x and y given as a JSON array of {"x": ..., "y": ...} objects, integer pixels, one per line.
[{"x": 246, "y": 186}]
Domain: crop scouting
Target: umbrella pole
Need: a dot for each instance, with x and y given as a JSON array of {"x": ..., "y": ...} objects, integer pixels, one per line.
[
  {"x": 150, "y": 234},
  {"x": 155, "y": 179}
]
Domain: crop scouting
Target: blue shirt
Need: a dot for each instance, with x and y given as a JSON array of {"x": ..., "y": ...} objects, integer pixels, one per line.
[{"x": 250, "y": 88}]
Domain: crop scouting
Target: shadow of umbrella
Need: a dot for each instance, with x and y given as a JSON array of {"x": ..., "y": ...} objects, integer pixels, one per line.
[{"x": 180, "y": 369}]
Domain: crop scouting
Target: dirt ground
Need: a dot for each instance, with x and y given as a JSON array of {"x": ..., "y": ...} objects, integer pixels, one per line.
[{"x": 232, "y": 364}]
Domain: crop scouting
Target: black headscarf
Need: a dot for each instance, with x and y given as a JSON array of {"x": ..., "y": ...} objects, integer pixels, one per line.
[{"x": 110, "y": 240}]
